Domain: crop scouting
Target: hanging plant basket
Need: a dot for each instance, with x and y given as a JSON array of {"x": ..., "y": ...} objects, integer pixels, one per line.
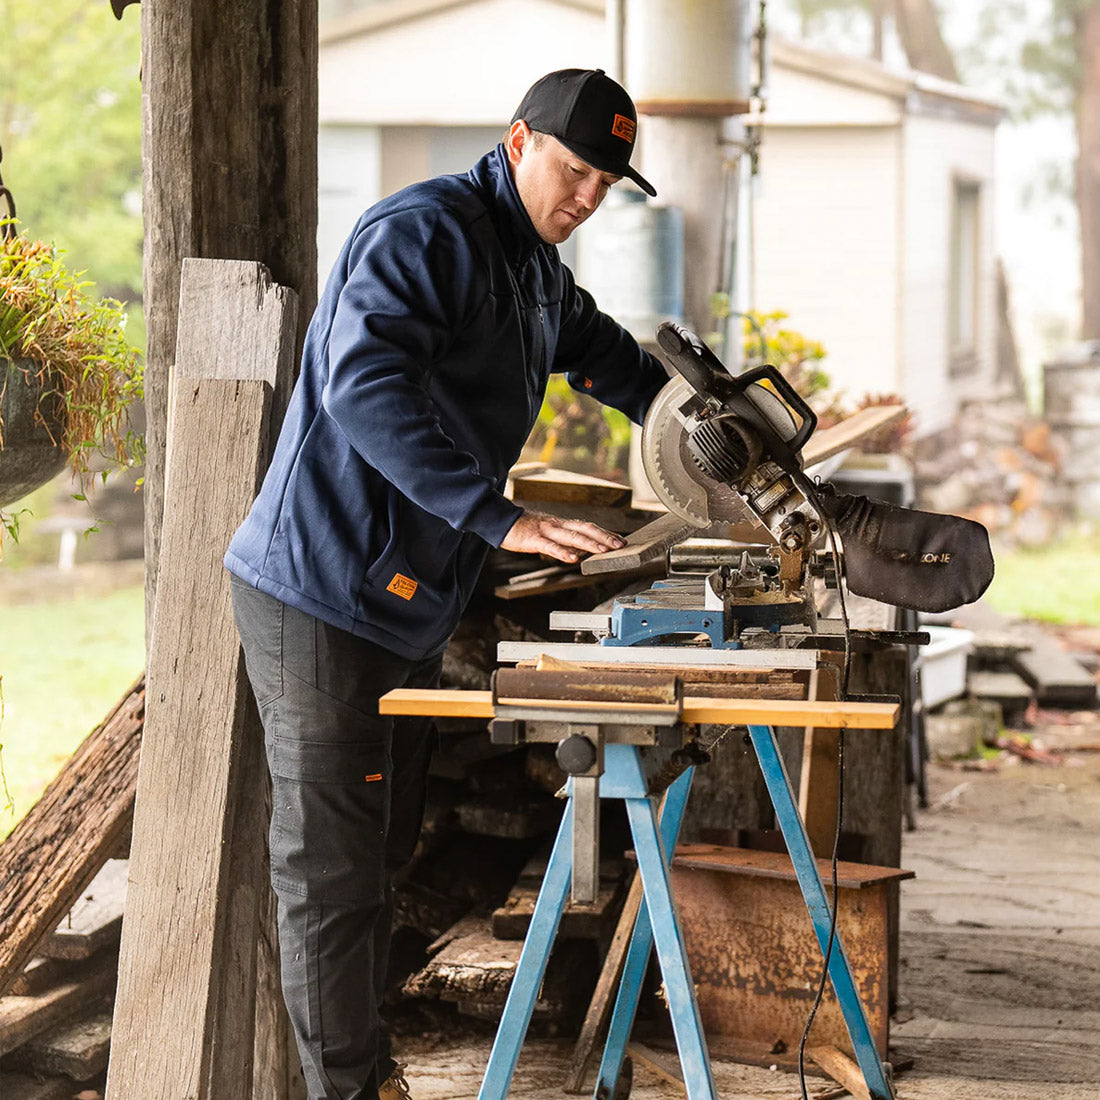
[
  {"x": 68, "y": 374},
  {"x": 32, "y": 424}
]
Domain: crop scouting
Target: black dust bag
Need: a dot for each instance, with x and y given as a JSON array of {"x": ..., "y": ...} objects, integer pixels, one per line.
[{"x": 921, "y": 560}]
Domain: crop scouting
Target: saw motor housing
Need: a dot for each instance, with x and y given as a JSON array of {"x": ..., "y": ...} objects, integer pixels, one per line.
[{"x": 721, "y": 451}]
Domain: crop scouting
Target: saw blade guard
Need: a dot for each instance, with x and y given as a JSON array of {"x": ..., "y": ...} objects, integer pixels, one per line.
[{"x": 724, "y": 450}]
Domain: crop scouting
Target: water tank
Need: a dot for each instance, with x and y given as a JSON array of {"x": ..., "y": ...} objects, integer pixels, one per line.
[
  {"x": 630, "y": 256},
  {"x": 692, "y": 59}
]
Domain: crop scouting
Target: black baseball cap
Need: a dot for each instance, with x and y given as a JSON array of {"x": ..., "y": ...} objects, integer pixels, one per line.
[{"x": 590, "y": 114}]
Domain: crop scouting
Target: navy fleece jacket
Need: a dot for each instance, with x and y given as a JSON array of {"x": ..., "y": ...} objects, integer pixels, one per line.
[{"x": 423, "y": 371}]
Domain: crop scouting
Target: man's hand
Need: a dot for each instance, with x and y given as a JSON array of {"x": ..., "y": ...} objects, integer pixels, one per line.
[{"x": 564, "y": 539}]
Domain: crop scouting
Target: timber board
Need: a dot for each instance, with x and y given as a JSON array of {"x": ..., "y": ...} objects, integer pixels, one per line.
[
  {"x": 77, "y": 1048},
  {"x": 95, "y": 921},
  {"x": 196, "y": 999},
  {"x": 46, "y": 863},
  {"x": 22, "y": 1018},
  {"x": 733, "y": 712},
  {"x": 22, "y": 1086}
]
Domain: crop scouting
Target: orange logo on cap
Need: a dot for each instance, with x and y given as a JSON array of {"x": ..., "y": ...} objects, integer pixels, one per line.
[
  {"x": 623, "y": 127},
  {"x": 402, "y": 586}
]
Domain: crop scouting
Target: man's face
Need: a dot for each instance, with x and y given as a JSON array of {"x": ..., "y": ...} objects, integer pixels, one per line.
[{"x": 558, "y": 189}]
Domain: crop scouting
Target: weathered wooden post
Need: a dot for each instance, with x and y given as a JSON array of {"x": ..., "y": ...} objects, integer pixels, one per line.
[
  {"x": 185, "y": 1013},
  {"x": 229, "y": 153}
]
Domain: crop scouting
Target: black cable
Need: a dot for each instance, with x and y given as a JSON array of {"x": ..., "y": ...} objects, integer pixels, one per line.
[{"x": 812, "y": 495}]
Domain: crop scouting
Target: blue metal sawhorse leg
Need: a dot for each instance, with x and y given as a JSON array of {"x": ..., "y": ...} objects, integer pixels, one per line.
[
  {"x": 813, "y": 892},
  {"x": 623, "y": 778},
  {"x": 531, "y": 968},
  {"x": 657, "y": 921},
  {"x": 641, "y": 943}
]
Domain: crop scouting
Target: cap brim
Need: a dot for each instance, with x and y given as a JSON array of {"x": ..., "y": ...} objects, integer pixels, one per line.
[{"x": 598, "y": 160}]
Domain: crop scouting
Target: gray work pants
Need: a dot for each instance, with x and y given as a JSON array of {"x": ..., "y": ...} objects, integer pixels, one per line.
[{"x": 347, "y": 806}]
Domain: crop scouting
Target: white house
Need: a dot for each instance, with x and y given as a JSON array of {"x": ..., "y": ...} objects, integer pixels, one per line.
[
  {"x": 873, "y": 221},
  {"x": 872, "y": 213}
]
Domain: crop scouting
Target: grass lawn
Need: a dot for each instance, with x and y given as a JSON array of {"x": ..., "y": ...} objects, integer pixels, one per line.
[
  {"x": 64, "y": 664},
  {"x": 1059, "y": 583}
]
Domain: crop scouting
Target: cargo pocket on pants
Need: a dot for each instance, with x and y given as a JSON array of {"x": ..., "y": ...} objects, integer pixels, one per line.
[{"x": 330, "y": 805}]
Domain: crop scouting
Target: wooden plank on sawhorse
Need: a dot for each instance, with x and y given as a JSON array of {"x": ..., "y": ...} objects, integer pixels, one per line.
[
  {"x": 185, "y": 1012},
  {"x": 458, "y": 703}
]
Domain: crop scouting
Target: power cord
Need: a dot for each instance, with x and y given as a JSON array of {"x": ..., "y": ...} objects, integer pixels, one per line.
[{"x": 810, "y": 491}]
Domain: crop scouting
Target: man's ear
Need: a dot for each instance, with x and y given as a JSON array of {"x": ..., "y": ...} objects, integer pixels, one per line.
[{"x": 519, "y": 134}]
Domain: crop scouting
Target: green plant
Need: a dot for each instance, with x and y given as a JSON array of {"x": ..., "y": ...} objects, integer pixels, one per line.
[
  {"x": 765, "y": 339},
  {"x": 77, "y": 348},
  {"x": 578, "y": 433}
]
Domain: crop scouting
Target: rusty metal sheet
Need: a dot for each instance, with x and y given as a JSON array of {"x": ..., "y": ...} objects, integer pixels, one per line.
[{"x": 756, "y": 963}]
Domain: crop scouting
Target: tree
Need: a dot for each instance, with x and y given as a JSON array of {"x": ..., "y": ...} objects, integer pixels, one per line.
[
  {"x": 1054, "y": 68},
  {"x": 70, "y": 130},
  {"x": 1086, "y": 37},
  {"x": 916, "y": 23}
]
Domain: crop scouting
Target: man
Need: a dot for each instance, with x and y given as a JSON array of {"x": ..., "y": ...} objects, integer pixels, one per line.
[{"x": 423, "y": 371}]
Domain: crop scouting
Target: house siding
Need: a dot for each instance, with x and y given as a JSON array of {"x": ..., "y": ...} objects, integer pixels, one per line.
[
  {"x": 826, "y": 248},
  {"x": 484, "y": 55},
  {"x": 936, "y": 152}
]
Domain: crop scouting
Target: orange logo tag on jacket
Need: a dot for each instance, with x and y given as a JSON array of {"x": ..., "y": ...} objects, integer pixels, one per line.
[
  {"x": 623, "y": 127},
  {"x": 402, "y": 586}
]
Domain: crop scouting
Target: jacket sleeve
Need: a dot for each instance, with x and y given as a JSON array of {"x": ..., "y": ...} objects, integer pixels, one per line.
[
  {"x": 601, "y": 358},
  {"x": 407, "y": 294}
]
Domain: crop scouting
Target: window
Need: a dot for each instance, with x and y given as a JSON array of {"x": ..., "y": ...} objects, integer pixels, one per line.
[{"x": 963, "y": 290}]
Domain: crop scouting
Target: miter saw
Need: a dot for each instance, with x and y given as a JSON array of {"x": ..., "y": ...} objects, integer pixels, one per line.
[{"x": 748, "y": 530}]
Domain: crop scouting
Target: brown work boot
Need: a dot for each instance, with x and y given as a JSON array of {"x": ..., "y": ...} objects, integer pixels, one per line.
[{"x": 395, "y": 1087}]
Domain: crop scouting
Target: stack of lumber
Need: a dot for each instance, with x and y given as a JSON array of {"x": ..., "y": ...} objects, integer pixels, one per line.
[
  {"x": 1015, "y": 662},
  {"x": 472, "y": 964},
  {"x": 62, "y": 895},
  {"x": 55, "y": 1019},
  {"x": 61, "y": 904},
  {"x": 1018, "y": 674}
]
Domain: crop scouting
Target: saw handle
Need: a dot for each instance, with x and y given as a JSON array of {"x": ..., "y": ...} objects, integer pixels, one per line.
[
  {"x": 790, "y": 395},
  {"x": 694, "y": 361}
]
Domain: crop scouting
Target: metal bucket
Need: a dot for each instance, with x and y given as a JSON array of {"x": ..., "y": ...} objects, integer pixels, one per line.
[{"x": 1071, "y": 405}]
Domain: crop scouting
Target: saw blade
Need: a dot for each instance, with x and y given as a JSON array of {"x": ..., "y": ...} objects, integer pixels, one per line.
[{"x": 678, "y": 482}]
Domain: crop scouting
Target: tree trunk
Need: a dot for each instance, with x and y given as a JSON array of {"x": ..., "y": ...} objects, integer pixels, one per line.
[
  {"x": 229, "y": 148},
  {"x": 1087, "y": 36},
  {"x": 919, "y": 30}
]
